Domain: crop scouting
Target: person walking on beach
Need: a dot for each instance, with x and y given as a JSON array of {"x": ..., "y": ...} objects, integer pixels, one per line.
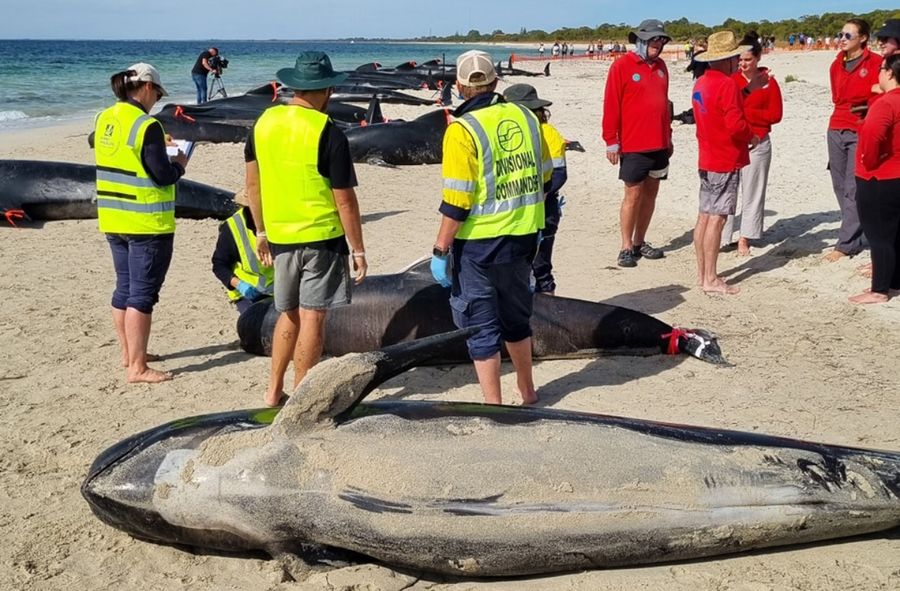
[
  {"x": 723, "y": 136},
  {"x": 541, "y": 50},
  {"x": 853, "y": 73},
  {"x": 136, "y": 209},
  {"x": 637, "y": 129},
  {"x": 235, "y": 262},
  {"x": 495, "y": 167},
  {"x": 878, "y": 185},
  {"x": 763, "y": 109},
  {"x": 300, "y": 180},
  {"x": 201, "y": 70},
  {"x": 542, "y": 267}
]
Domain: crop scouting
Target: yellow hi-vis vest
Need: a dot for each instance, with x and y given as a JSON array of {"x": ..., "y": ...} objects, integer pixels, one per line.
[
  {"x": 128, "y": 200},
  {"x": 509, "y": 193},
  {"x": 297, "y": 202},
  {"x": 249, "y": 268}
]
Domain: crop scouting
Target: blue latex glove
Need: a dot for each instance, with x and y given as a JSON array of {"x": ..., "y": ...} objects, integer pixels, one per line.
[
  {"x": 247, "y": 291},
  {"x": 440, "y": 269}
]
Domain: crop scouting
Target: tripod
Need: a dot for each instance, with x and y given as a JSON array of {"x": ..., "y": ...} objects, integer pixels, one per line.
[{"x": 217, "y": 87}]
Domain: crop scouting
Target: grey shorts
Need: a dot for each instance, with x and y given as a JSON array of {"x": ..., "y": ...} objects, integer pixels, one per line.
[
  {"x": 719, "y": 191},
  {"x": 310, "y": 278}
]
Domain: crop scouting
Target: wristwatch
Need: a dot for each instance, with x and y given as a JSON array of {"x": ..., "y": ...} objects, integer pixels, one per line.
[{"x": 440, "y": 252}]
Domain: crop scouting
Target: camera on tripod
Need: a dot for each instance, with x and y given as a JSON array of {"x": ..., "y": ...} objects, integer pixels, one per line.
[{"x": 217, "y": 63}]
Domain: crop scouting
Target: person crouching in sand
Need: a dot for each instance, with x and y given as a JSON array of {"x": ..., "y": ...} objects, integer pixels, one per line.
[{"x": 723, "y": 135}]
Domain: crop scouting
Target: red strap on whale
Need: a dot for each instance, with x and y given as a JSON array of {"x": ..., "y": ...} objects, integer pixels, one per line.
[
  {"x": 448, "y": 116},
  {"x": 179, "y": 114},
  {"x": 274, "y": 90},
  {"x": 11, "y": 214},
  {"x": 673, "y": 337}
]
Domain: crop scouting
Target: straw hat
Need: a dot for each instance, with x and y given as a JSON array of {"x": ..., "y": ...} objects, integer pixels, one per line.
[{"x": 722, "y": 45}]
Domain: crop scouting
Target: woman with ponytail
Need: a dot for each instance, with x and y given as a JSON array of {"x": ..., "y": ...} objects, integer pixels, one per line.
[{"x": 136, "y": 208}]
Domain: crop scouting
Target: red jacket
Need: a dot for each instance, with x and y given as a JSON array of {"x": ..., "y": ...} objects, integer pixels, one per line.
[
  {"x": 763, "y": 107},
  {"x": 878, "y": 150},
  {"x": 636, "y": 105},
  {"x": 852, "y": 89},
  {"x": 723, "y": 133}
]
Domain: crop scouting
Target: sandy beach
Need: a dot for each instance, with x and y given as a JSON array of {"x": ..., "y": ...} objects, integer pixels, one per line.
[{"x": 806, "y": 363}]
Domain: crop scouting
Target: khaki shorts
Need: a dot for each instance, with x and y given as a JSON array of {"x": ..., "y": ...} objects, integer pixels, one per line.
[
  {"x": 718, "y": 192},
  {"x": 313, "y": 279}
]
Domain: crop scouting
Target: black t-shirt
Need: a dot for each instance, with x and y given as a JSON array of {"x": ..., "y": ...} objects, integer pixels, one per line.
[
  {"x": 198, "y": 65},
  {"x": 335, "y": 163}
]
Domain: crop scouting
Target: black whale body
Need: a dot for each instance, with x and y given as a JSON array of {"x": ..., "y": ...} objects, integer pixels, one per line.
[
  {"x": 390, "y": 309},
  {"x": 47, "y": 190},
  {"x": 478, "y": 490}
]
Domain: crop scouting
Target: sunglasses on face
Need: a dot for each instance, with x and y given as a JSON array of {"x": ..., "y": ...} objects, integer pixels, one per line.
[
  {"x": 158, "y": 91},
  {"x": 655, "y": 39},
  {"x": 847, "y": 36}
]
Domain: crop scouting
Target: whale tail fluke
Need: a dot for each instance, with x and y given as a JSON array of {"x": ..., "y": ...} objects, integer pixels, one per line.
[
  {"x": 697, "y": 342},
  {"x": 374, "y": 114},
  {"x": 547, "y": 69},
  {"x": 446, "y": 95}
]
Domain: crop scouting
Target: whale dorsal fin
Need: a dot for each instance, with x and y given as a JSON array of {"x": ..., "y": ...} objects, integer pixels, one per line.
[
  {"x": 335, "y": 386},
  {"x": 419, "y": 267}
]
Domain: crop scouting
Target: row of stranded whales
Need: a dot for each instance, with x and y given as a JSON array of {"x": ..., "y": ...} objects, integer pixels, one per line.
[
  {"x": 476, "y": 490},
  {"x": 428, "y": 74},
  {"x": 47, "y": 190},
  {"x": 400, "y": 307}
]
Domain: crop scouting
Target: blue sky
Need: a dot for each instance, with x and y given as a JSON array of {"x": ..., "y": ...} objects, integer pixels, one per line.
[{"x": 286, "y": 19}]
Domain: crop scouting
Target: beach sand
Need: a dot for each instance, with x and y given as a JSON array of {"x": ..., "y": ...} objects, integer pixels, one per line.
[{"x": 806, "y": 363}]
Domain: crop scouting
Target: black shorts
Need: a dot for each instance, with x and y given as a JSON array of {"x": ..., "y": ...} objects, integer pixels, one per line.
[{"x": 634, "y": 167}]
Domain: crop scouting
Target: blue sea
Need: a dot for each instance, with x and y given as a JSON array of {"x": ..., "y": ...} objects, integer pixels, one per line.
[{"x": 43, "y": 82}]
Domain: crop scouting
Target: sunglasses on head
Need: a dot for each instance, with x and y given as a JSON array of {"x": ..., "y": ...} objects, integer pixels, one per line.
[{"x": 847, "y": 36}]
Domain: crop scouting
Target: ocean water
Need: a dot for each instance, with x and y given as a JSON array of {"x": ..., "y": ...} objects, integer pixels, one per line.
[{"x": 43, "y": 82}]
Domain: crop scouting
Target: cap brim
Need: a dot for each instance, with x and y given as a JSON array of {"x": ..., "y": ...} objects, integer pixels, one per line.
[
  {"x": 647, "y": 35},
  {"x": 287, "y": 77},
  {"x": 707, "y": 56},
  {"x": 535, "y": 104},
  {"x": 162, "y": 90}
]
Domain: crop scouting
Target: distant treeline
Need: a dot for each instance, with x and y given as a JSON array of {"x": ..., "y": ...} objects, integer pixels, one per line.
[{"x": 823, "y": 25}]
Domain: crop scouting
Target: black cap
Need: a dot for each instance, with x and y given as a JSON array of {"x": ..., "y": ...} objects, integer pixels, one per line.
[
  {"x": 890, "y": 30},
  {"x": 525, "y": 95},
  {"x": 647, "y": 30}
]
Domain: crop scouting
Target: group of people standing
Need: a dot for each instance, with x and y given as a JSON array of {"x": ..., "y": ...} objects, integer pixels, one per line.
[{"x": 299, "y": 232}]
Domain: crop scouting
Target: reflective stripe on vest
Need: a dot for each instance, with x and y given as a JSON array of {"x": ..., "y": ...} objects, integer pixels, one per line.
[
  {"x": 507, "y": 184},
  {"x": 297, "y": 202},
  {"x": 128, "y": 200},
  {"x": 248, "y": 268}
]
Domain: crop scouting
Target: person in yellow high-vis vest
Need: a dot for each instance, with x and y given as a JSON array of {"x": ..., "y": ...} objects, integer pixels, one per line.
[
  {"x": 300, "y": 183},
  {"x": 235, "y": 262},
  {"x": 496, "y": 168},
  {"x": 136, "y": 208}
]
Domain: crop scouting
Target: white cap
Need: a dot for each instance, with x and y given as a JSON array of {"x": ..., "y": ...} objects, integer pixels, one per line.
[
  {"x": 474, "y": 68},
  {"x": 146, "y": 73}
]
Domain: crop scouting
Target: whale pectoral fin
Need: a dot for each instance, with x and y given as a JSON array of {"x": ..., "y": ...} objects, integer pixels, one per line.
[
  {"x": 379, "y": 161},
  {"x": 335, "y": 386},
  {"x": 298, "y": 563},
  {"x": 574, "y": 146}
]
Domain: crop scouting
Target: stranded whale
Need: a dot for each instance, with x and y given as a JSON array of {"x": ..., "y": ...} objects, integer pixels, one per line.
[
  {"x": 389, "y": 309},
  {"x": 45, "y": 190},
  {"x": 477, "y": 490}
]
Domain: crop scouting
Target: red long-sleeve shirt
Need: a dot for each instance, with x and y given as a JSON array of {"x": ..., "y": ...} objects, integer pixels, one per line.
[
  {"x": 723, "y": 133},
  {"x": 878, "y": 150},
  {"x": 852, "y": 89},
  {"x": 763, "y": 107},
  {"x": 636, "y": 105}
]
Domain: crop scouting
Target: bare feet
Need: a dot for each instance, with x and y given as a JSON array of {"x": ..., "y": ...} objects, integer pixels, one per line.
[
  {"x": 274, "y": 399},
  {"x": 150, "y": 357},
  {"x": 148, "y": 376},
  {"x": 720, "y": 287},
  {"x": 865, "y": 270},
  {"x": 743, "y": 248},
  {"x": 869, "y": 297},
  {"x": 530, "y": 399},
  {"x": 834, "y": 255}
]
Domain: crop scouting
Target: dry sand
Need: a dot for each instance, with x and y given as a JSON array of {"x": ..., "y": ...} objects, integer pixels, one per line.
[{"x": 806, "y": 363}]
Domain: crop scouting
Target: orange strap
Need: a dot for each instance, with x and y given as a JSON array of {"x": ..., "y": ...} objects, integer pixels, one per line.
[
  {"x": 179, "y": 114},
  {"x": 11, "y": 214},
  {"x": 274, "y": 90}
]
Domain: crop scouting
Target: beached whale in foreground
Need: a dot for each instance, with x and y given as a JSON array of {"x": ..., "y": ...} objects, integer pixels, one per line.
[
  {"x": 389, "y": 309},
  {"x": 478, "y": 490},
  {"x": 46, "y": 190}
]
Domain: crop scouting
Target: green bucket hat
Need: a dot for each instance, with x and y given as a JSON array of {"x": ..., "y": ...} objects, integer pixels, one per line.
[{"x": 312, "y": 71}]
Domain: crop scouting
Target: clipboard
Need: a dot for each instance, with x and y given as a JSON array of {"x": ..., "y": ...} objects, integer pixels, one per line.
[{"x": 183, "y": 145}]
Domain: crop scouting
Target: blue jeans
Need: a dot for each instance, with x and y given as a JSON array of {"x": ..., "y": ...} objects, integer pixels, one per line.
[
  {"x": 498, "y": 298},
  {"x": 141, "y": 264},
  {"x": 200, "y": 83}
]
